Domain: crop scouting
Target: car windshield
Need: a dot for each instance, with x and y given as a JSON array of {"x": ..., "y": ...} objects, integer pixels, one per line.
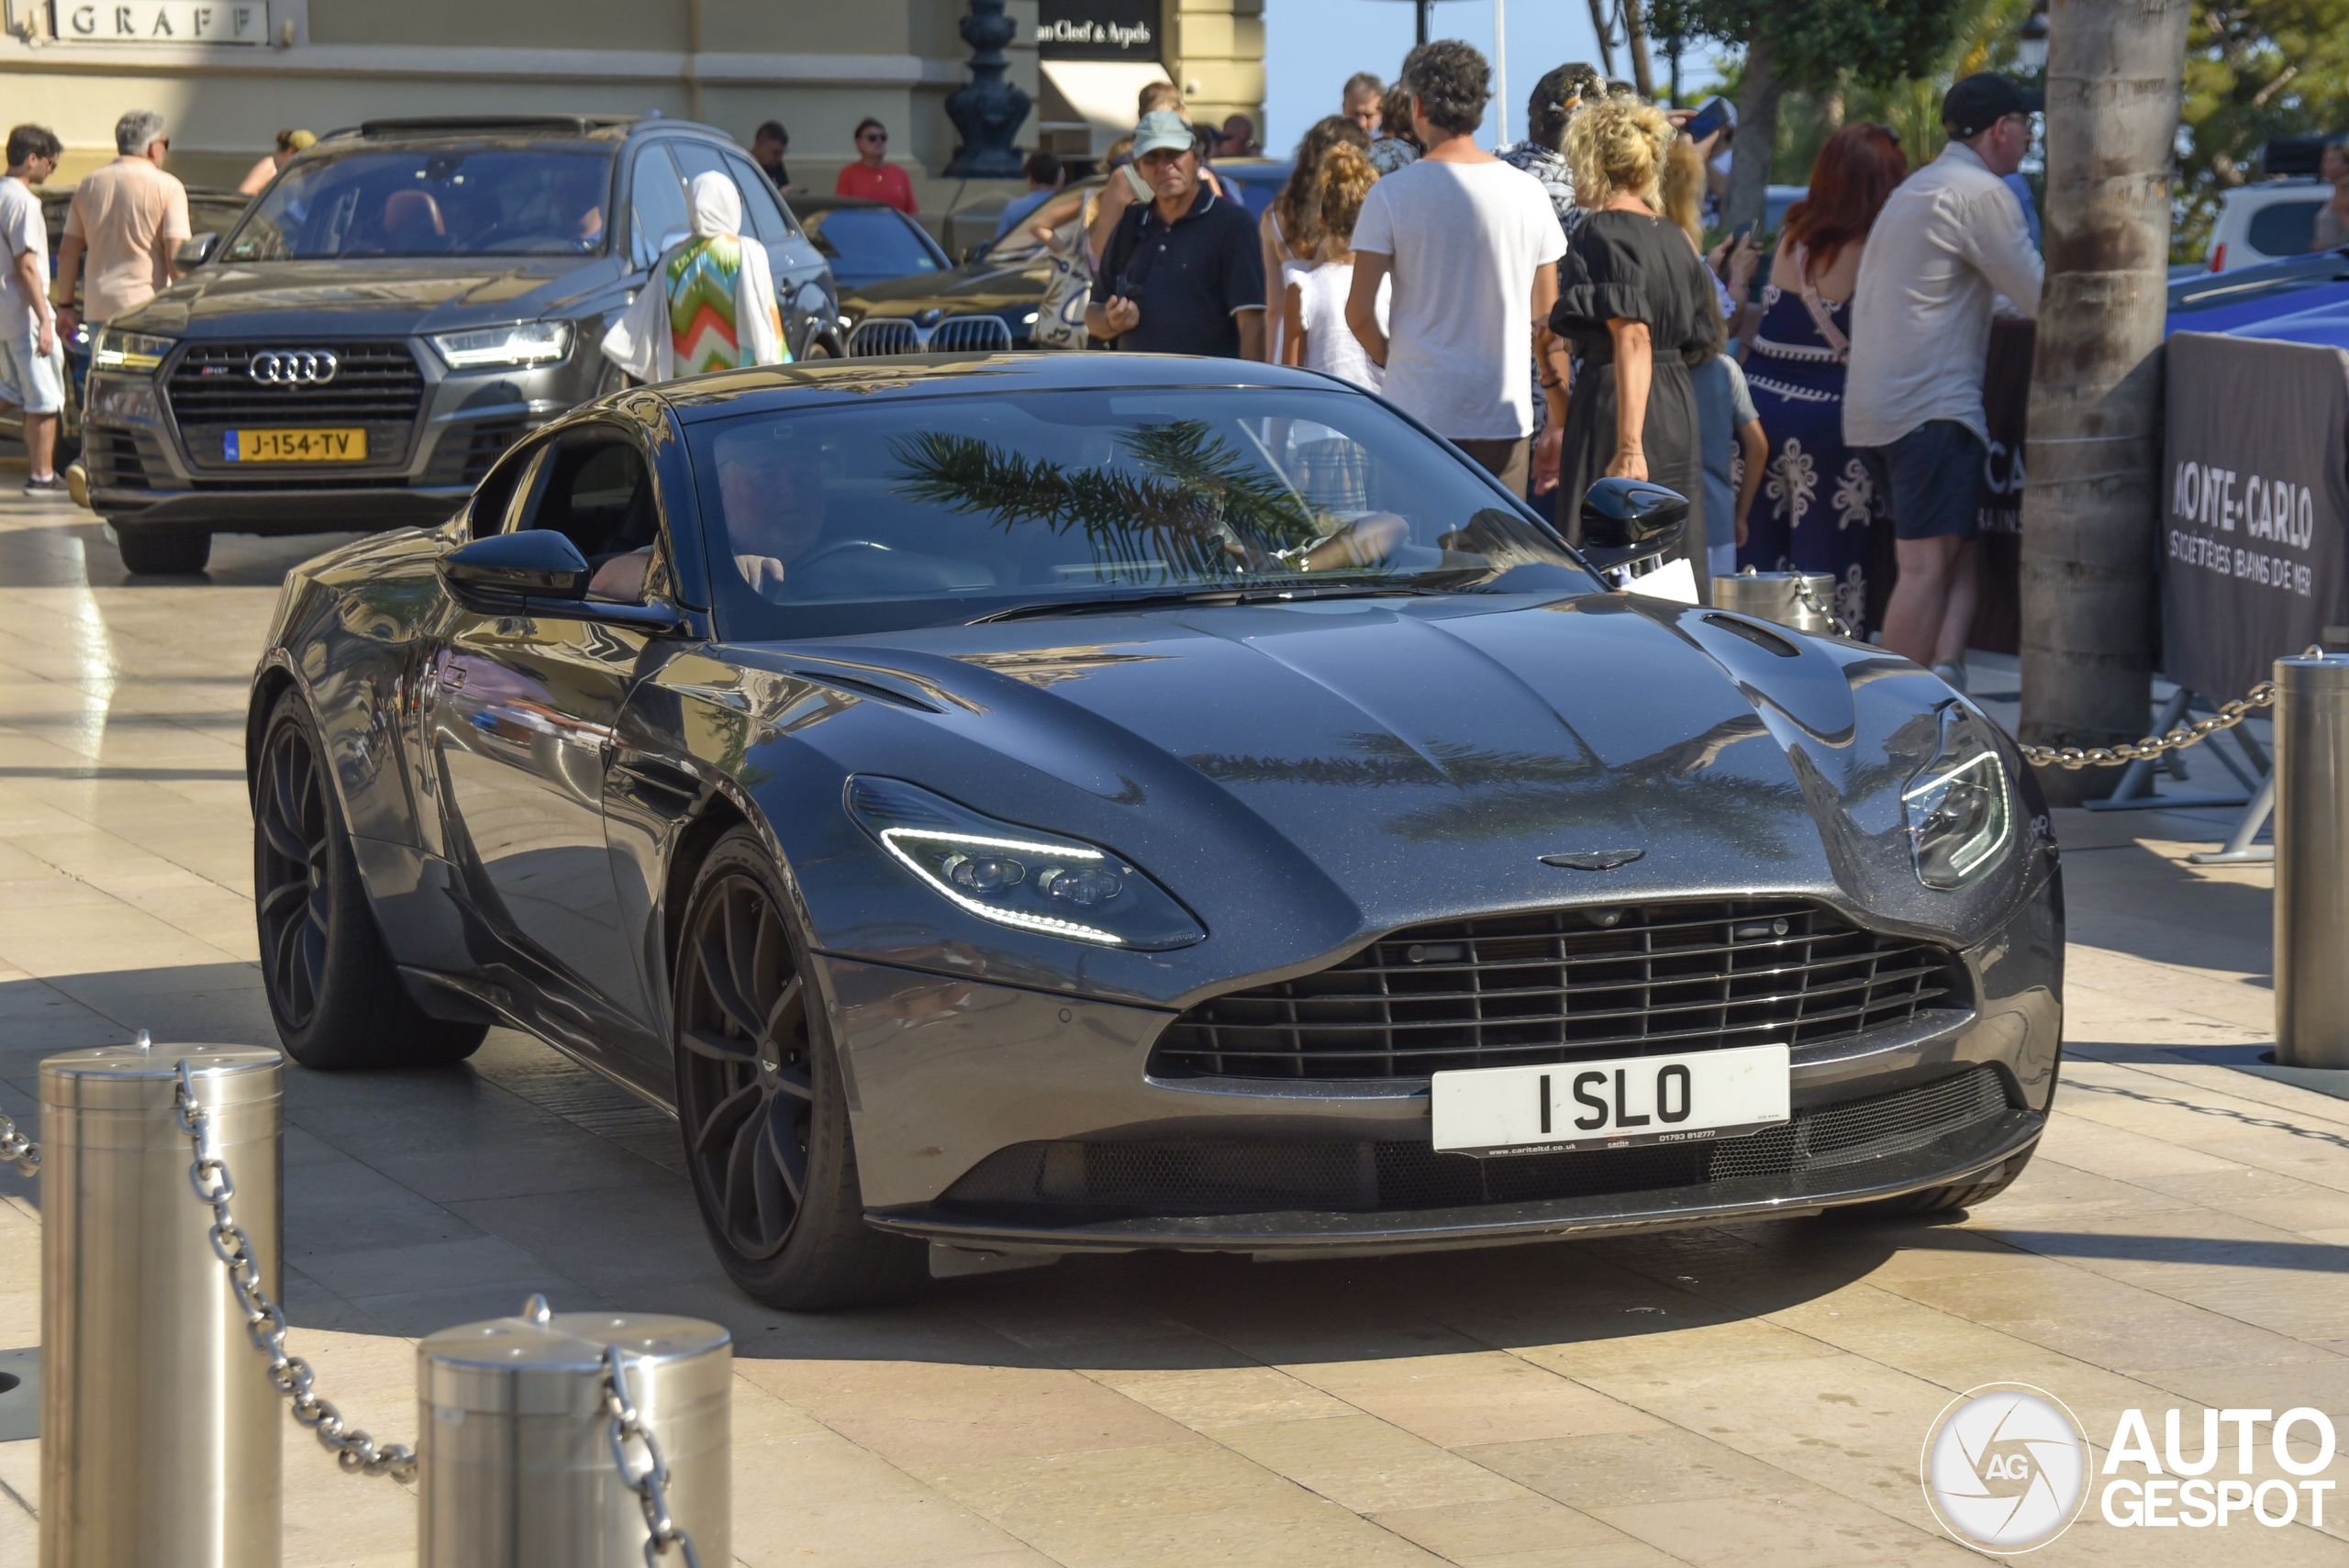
[
  {"x": 437, "y": 201},
  {"x": 868, "y": 244},
  {"x": 919, "y": 511}
]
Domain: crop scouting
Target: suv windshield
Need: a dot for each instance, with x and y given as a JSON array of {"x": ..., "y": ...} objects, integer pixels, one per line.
[
  {"x": 868, "y": 245},
  {"x": 436, "y": 201},
  {"x": 925, "y": 511}
]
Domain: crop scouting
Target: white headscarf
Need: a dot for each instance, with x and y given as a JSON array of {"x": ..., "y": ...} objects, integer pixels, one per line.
[{"x": 641, "y": 342}]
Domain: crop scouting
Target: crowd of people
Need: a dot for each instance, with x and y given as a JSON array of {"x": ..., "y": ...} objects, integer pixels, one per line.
[{"x": 1548, "y": 307}]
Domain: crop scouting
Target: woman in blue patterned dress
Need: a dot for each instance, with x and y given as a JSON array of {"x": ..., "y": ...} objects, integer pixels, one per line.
[{"x": 1817, "y": 503}]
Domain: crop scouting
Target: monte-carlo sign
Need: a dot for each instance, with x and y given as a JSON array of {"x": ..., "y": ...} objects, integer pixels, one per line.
[{"x": 160, "y": 21}]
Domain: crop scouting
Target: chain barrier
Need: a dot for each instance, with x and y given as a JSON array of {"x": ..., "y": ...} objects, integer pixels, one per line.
[
  {"x": 353, "y": 1449},
  {"x": 265, "y": 1322},
  {"x": 2074, "y": 758},
  {"x": 17, "y": 1149},
  {"x": 652, "y": 1483}
]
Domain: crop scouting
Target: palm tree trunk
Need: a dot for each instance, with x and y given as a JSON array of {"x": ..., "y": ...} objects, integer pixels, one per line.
[
  {"x": 1757, "y": 135},
  {"x": 1600, "y": 25},
  {"x": 2091, "y": 502},
  {"x": 1635, "y": 33}
]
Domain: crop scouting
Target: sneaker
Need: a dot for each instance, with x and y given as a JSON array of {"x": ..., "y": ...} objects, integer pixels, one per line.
[
  {"x": 1954, "y": 674},
  {"x": 52, "y": 486}
]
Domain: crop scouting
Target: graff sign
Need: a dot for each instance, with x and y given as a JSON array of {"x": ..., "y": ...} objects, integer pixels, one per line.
[{"x": 160, "y": 21}]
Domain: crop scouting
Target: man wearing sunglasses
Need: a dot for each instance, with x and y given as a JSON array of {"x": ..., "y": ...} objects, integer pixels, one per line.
[
  {"x": 872, "y": 177},
  {"x": 128, "y": 217}
]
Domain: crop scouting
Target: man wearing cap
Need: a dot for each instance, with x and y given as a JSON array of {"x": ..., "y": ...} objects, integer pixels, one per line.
[
  {"x": 1948, "y": 244},
  {"x": 1183, "y": 273}
]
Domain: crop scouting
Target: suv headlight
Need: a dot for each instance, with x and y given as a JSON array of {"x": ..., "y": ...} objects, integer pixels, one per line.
[
  {"x": 524, "y": 343},
  {"x": 120, "y": 350},
  {"x": 1017, "y": 876},
  {"x": 1959, "y": 807}
]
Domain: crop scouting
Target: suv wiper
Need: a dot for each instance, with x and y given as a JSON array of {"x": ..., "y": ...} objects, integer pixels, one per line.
[{"x": 1218, "y": 596}]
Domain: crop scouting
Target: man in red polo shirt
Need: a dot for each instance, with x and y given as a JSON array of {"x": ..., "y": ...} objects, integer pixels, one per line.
[{"x": 869, "y": 178}]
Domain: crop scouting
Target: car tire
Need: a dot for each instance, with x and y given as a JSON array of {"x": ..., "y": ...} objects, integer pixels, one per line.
[
  {"x": 1951, "y": 1196},
  {"x": 761, "y": 1108},
  {"x": 159, "y": 553},
  {"x": 333, "y": 990}
]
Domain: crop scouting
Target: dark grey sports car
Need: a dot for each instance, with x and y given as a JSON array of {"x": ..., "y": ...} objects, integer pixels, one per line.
[{"x": 1016, "y": 806}]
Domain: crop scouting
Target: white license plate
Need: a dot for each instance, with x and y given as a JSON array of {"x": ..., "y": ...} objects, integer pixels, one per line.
[{"x": 1610, "y": 1105}]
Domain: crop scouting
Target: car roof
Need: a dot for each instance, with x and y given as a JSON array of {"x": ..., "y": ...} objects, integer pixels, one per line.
[
  {"x": 515, "y": 129},
  {"x": 811, "y": 203},
  {"x": 946, "y": 376}
]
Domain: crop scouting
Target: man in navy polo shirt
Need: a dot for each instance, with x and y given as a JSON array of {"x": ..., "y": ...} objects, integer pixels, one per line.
[{"x": 1185, "y": 274}]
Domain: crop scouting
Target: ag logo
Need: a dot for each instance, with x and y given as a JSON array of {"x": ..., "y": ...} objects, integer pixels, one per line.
[{"x": 2004, "y": 1467}]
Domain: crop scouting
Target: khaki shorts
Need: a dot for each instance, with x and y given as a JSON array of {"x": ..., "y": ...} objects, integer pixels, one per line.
[{"x": 29, "y": 380}]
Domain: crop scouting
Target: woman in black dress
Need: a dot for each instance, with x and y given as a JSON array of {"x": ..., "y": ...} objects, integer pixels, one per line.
[{"x": 1641, "y": 311}]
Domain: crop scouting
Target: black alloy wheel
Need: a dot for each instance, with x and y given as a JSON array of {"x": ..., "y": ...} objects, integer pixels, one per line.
[
  {"x": 292, "y": 844},
  {"x": 742, "y": 1027},
  {"x": 761, "y": 1112},
  {"x": 333, "y": 990}
]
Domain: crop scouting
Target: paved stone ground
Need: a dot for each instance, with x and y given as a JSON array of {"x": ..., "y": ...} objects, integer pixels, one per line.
[{"x": 1746, "y": 1395}]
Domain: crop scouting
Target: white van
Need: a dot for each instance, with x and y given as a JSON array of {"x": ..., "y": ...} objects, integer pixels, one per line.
[{"x": 2266, "y": 222}]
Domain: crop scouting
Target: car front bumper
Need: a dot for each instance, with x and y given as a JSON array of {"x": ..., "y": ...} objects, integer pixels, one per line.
[
  {"x": 962, "y": 1095},
  {"x": 144, "y": 475}
]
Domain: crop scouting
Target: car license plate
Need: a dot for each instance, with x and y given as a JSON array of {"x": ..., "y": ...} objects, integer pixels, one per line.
[
  {"x": 1610, "y": 1105},
  {"x": 294, "y": 446}
]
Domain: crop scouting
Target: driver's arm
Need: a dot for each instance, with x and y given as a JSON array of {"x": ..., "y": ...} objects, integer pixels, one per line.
[
  {"x": 1366, "y": 542},
  {"x": 621, "y": 579}
]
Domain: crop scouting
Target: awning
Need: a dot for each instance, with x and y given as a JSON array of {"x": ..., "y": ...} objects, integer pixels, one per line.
[{"x": 1097, "y": 93}]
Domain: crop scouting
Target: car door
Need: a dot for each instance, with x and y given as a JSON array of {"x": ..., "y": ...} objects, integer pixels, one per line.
[
  {"x": 521, "y": 725},
  {"x": 656, "y": 203}
]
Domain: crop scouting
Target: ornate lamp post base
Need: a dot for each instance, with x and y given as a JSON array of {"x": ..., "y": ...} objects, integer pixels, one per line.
[{"x": 989, "y": 110}]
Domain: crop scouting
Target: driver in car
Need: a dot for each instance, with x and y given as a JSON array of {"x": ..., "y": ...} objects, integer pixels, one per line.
[{"x": 772, "y": 493}]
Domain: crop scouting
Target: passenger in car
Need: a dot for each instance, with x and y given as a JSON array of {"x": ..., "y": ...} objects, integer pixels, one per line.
[{"x": 772, "y": 491}]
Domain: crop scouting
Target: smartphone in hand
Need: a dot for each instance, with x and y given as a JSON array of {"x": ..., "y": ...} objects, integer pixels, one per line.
[{"x": 1709, "y": 118}]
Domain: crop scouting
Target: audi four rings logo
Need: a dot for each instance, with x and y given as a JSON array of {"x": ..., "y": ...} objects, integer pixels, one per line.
[{"x": 293, "y": 367}]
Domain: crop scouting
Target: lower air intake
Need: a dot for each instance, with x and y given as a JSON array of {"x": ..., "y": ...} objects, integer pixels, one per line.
[{"x": 1072, "y": 1183}]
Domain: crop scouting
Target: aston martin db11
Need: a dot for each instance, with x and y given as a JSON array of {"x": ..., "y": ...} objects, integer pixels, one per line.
[{"x": 1018, "y": 805}]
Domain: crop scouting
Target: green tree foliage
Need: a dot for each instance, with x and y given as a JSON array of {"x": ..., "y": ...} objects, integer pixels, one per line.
[
  {"x": 1823, "y": 43},
  {"x": 1983, "y": 37},
  {"x": 2254, "y": 69}
]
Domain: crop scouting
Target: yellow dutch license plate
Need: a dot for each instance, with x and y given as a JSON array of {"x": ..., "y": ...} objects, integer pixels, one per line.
[{"x": 294, "y": 446}]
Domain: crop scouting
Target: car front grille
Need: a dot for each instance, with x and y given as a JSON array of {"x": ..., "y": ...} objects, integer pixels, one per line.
[
  {"x": 955, "y": 334},
  {"x": 1075, "y": 1183},
  {"x": 117, "y": 459},
  {"x": 1565, "y": 985},
  {"x": 376, "y": 385}
]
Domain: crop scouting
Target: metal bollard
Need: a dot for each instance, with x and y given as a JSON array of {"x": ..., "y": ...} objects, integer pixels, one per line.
[
  {"x": 159, "y": 1435},
  {"x": 2311, "y": 853},
  {"x": 1798, "y": 599},
  {"x": 517, "y": 1454}
]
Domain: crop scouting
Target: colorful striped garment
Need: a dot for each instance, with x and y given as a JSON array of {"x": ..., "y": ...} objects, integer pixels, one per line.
[{"x": 703, "y": 282}]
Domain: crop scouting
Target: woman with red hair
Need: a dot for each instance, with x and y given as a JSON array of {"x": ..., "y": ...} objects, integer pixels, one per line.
[{"x": 1817, "y": 501}]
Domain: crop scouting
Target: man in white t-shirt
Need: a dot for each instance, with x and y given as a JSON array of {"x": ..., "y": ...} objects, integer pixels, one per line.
[
  {"x": 32, "y": 363},
  {"x": 1469, "y": 243}
]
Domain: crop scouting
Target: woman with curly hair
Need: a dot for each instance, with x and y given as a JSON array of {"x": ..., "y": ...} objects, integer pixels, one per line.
[
  {"x": 1290, "y": 229},
  {"x": 1639, "y": 309},
  {"x": 1817, "y": 504},
  {"x": 1313, "y": 305}
]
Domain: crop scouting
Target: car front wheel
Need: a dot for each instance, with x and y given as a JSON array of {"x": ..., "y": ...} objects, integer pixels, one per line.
[
  {"x": 759, "y": 1098},
  {"x": 162, "y": 553}
]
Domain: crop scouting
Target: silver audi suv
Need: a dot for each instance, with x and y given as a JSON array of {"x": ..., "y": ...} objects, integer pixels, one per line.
[{"x": 403, "y": 304}]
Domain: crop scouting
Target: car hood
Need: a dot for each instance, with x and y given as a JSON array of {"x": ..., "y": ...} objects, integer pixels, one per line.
[
  {"x": 1358, "y": 766},
  {"x": 368, "y": 297},
  {"x": 973, "y": 288}
]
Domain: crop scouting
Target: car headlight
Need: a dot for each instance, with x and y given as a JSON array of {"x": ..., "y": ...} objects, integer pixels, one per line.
[
  {"x": 1017, "y": 876},
  {"x": 524, "y": 343},
  {"x": 1959, "y": 807},
  {"x": 120, "y": 350}
]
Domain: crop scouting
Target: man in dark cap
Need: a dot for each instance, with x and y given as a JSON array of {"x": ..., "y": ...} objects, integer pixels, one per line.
[{"x": 1947, "y": 245}]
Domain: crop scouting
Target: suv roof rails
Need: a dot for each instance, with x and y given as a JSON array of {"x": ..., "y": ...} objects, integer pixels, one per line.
[{"x": 428, "y": 125}]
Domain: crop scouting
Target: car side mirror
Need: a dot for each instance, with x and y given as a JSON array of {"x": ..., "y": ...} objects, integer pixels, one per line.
[
  {"x": 195, "y": 251},
  {"x": 1629, "y": 520},
  {"x": 536, "y": 563}
]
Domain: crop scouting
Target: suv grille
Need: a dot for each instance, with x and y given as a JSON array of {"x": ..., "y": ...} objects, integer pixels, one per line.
[
  {"x": 1559, "y": 985},
  {"x": 955, "y": 334},
  {"x": 1070, "y": 1183},
  {"x": 376, "y": 385}
]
